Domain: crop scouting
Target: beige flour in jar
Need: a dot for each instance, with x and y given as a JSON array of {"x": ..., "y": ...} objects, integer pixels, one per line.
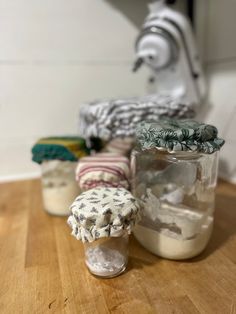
[
  {"x": 59, "y": 187},
  {"x": 168, "y": 247},
  {"x": 172, "y": 230}
]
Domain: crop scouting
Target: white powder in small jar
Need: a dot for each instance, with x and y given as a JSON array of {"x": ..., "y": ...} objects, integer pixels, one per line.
[
  {"x": 105, "y": 262},
  {"x": 107, "y": 257}
]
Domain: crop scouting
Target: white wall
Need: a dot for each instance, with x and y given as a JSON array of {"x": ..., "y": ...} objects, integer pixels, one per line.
[
  {"x": 216, "y": 29},
  {"x": 55, "y": 54}
]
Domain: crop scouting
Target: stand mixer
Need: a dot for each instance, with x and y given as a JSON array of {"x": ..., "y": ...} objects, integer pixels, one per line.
[{"x": 166, "y": 45}]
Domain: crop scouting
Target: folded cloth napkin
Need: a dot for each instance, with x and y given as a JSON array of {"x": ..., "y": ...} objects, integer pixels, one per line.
[
  {"x": 69, "y": 148},
  {"x": 103, "y": 169},
  {"x": 118, "y": 118}
]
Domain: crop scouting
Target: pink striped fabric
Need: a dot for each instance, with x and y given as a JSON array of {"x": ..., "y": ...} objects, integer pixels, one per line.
[
  {"x": 103, "y": 169},
  {"x": 122, "y": 146}
]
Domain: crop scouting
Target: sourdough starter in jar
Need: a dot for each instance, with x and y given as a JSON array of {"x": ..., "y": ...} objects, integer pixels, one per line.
[{"x": 58, "y": 186}]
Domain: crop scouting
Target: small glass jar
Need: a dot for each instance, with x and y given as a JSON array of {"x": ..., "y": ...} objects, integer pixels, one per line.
[
  {"x": 102, "y": 218},
  {"x": 59, "y": 187},
  {"x": 178, "y": 192},
  {"x": 107, "y": 257}
]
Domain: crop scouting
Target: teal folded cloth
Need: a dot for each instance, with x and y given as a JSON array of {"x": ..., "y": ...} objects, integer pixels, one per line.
[
  {"x": 65, "y": 148},
  {"x": 178, "y": 135}
]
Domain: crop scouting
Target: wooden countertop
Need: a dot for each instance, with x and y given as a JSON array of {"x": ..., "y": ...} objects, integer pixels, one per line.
[{"x": 42, "y": 266}]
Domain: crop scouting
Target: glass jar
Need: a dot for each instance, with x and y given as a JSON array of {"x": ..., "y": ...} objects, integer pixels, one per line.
[
  {"x": 59, "y": 187},
  {"x": 107, "y": 257},
  {"x": 177, "y": 191}
]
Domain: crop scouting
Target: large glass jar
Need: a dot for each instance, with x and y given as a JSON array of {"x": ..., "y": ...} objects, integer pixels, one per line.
[
  {"x": 59, "y": 187},
  {"x": 107, "y": 257},
  {"x": 177, "y": 191}
]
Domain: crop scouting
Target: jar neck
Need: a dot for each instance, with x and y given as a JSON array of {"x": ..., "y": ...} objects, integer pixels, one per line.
[{"x": 181, "y": 155}]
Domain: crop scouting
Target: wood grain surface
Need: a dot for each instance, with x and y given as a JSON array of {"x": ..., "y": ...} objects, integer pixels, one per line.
[{"x": 42, "y": 266}]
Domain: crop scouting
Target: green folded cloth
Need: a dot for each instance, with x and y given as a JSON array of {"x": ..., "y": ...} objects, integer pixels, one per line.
[
  {"x": 178, "y": 135},
  {"x": 69, "y": 148}
]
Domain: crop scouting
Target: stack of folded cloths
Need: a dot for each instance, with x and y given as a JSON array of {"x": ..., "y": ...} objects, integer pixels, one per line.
[
  {"x": 103, "y": 169},
  {"x": 118, "y": 118}
]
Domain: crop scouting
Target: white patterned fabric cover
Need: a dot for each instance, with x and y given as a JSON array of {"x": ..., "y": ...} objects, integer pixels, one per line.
[{"x": 103, "y": 212}]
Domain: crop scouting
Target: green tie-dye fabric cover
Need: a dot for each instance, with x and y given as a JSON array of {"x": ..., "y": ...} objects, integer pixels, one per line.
[{"x": 178, "y": 135}]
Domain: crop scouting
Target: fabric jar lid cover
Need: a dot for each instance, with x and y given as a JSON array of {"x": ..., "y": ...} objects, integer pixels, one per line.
[
  {"x": 103, "y": 212},
  {"x": 114, "y": 118},
  {"x": 103, "y": 169},
  {"x": 178, "y": 135},
  {"x": 65, "y": 148}
]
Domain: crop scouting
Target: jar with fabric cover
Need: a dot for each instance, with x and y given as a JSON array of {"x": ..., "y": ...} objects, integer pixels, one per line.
[
  {"x": 103, "y": 169},
  {"x": 174, "y": 170},
  {"x": 102, "y": 218},
  {"x": 112, "y": 122},
  {"x": 58, "y": 158}
]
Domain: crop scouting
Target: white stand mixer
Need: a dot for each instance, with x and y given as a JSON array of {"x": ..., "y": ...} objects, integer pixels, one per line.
[{"x": 166, "y": 44}]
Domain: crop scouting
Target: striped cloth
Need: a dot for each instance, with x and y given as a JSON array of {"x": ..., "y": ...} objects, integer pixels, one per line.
[
  {"x": 120, "y": 146},
  {"x": 103, "y": 169},
  {"x": 118, "y": 118}
]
